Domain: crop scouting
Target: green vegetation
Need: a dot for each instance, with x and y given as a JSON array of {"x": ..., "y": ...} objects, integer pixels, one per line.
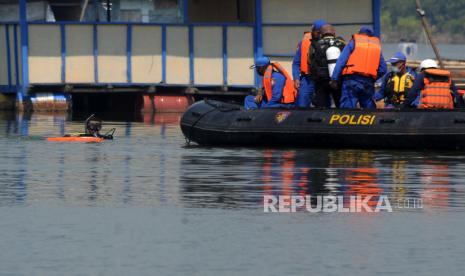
[{"x": 399, "y": 20}]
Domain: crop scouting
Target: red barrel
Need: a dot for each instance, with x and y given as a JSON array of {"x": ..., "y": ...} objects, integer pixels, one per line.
[
  {"x": 162, "y": 118},
  {"x": 162, "y": 103}
]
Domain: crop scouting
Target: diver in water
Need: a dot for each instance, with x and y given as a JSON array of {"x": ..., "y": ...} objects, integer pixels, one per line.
[
  {"x": 91, "y": 133},
  {"x": 93, "y": 125}
]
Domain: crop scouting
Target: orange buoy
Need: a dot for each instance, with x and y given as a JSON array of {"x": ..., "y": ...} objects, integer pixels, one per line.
[{"x": 76, "y": 139}]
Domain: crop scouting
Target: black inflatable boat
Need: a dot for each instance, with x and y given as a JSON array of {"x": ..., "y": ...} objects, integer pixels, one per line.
[{"x": 217, "y": 123}]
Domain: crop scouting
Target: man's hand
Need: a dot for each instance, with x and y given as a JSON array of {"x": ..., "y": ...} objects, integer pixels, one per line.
[
  {"x": 333, "y": 84},
  {"x": 380, "y": 104},
  {"x": 258, "y": 98},
  {"x": 297, "y": 84}
]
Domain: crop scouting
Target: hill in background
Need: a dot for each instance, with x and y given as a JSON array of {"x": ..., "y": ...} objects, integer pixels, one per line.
[{"x": 399, "y": 20}]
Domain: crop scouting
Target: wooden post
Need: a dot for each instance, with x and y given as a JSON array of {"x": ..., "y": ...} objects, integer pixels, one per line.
[
  {"x": 83, "y": 10},
  {"x": 108, "y": 11},
  {"x": 427, "y": 28}
]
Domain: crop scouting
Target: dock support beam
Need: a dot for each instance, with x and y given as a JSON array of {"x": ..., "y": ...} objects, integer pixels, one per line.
[
  {"x": 258, "y": 35},
  {"x": 24, "y": 49},
  {"x": 191, "y": 55},
  {"x": 376, "y": 4},
  {"x": 96, "y": 10},
  {"x": 185, "y": 11}
]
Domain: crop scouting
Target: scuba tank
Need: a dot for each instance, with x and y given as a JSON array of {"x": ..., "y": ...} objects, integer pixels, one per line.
[{"x": 332, "y": 54}]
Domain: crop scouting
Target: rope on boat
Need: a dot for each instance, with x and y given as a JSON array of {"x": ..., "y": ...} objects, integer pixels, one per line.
[{"x": 221, "y": 107}]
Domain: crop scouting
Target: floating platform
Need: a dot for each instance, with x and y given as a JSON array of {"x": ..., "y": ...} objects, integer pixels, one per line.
[{"x": 216, "y": 123}]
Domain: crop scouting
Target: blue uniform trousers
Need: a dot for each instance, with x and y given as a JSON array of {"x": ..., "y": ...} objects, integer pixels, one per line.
[
  {"x": 358, "y": 89},
  {"x": 249, "y": 103},
  {"x": 306, "y": 91}
]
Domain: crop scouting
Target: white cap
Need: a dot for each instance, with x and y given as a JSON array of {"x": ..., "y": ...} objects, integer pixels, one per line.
[{"x": 428, "y": 63}]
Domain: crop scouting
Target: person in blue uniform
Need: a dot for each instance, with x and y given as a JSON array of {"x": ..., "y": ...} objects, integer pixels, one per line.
[
  {"x": 301, "y": 71},
  {"x": 360, "y": 64},
  {"x": 277, "y": 87},
  {"x": 396, "y": 84}
]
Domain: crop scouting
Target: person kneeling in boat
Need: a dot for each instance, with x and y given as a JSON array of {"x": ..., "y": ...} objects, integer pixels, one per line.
[
  {"x": 433, "y": 88},
  {"x": 396, "y": 84},
  {"x": 278, "y": 88}
]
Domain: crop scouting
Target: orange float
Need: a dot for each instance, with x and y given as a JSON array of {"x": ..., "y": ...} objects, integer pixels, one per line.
[{"x": 76, "y": 139}]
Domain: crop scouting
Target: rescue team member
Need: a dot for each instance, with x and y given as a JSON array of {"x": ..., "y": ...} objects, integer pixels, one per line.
[
  {"x": 278, "y": 88},
  {"x": 396, "y": 84},
  {"x": 327, "y": 51},
  {"x": 361, "y": 63},
  {"x": 433, "y": 88},
  {"x": 93, "y": 125},
  {"x": 301, "y": 66}
]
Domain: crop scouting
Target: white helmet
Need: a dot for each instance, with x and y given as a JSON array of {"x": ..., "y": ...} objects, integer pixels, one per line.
[{"x": 428, "y": 63}]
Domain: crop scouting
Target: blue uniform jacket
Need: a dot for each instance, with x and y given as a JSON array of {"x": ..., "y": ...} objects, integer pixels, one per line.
[
  {"x": 413, "y": 97},
  {"x": 380, "y": 94},
  {"x": 344, "y": 57},
  {"x": 296, "y": 62},
  {"x": 278, "y": 80}
]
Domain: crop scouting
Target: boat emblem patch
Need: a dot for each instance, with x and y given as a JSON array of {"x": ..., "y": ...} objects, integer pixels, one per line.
[{"x": 282, "y": 116}]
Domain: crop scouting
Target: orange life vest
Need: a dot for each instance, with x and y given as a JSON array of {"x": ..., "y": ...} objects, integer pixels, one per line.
[
  {"x": 304, "y": 53},
  {"x": 289, "y": 92},
  {"x": 364, "y": 60},
  {"x": 437, "y": 90}
]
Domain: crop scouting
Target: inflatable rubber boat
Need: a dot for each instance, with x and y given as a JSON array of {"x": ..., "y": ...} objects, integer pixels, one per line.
[{"x": 217, "y": 123}]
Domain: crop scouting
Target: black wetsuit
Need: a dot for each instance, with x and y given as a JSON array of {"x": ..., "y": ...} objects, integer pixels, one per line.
[{"x": 320, "y": 74}]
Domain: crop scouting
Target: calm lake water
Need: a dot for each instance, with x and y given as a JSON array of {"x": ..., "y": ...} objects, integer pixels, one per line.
[
  {"x": 148, "y": 204},
  {"x": 424, "y": 51}
]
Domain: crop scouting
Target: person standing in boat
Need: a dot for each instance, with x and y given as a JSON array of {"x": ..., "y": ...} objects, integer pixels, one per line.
[
  {"x": 301, "y": 65},
  {"x": 327, "y": 51},
  {"x": 433, "y": 88},
  {"x": 397, "y": 83},
  {"x": 277, "y": 86},
  {"x": 360, "y": 64}
]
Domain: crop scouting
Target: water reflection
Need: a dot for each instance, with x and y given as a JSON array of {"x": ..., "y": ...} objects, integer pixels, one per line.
[
  {"x": 437, "y": 184},
  {"x": 16, "y": 123},
  {"x": 123, "y": 171},
  {"x": 149, "y": 164},
  {"x": 406, "y": 178}
]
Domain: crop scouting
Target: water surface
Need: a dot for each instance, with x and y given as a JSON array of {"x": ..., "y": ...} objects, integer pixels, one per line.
[{"x": 148, "y": 204}]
